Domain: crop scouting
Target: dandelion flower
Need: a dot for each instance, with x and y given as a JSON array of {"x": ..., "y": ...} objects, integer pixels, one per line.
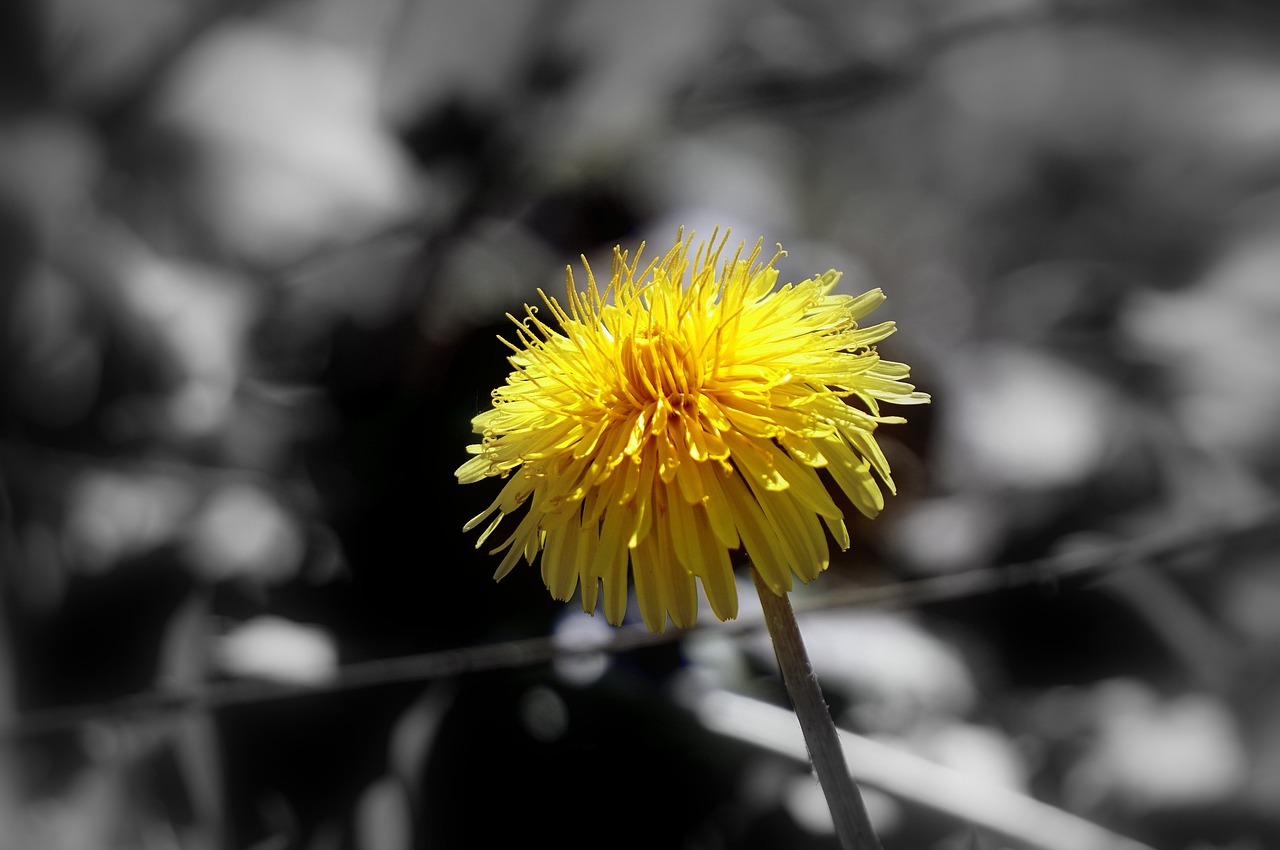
[{"x": 683, "y": 413}]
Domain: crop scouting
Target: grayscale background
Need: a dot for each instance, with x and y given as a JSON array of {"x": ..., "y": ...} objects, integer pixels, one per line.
[{"x": 253, "y": 259}]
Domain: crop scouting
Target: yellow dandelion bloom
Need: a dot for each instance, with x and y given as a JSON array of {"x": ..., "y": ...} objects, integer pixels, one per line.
[{"x": 682, "y": 414}]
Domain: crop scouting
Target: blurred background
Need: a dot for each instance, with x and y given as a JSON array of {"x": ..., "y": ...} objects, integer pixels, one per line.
[{"x": 253, "y": 256}]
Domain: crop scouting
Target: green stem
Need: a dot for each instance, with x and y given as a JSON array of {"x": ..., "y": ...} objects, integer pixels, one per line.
[{"x": 853, "y": 827}]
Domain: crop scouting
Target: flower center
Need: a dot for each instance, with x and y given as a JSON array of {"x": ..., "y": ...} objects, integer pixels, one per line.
[{"x": 657, "y": 366}]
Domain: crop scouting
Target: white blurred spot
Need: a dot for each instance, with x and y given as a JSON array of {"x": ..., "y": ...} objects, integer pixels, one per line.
[
  {"x": 1250, "y": 600},
  {"x": 1220, "y": 342},
  {"x": 384, "y": 816},
  {"x": 279, "y": 650},
  {"x": 1237, "y": 109},
  {"x": 200, "y": 316},
  {"x": 576, "y": 632},
  {"x": 113, "y": 516},
  {"x": 242, "y": 531},
  {"x": 544, "y": 714},
  {"x": 807, "y": 805},
  {"x": 946, "y": 534},
  {"x": 295, "y": 152},
  {"x": 1158, "y": 753},
  {"x": 714, "y": 659},
  {"x": 897, "y": 671},
  {"x": 734, "y": 181},
  {"x": 417, "y": 730},
  {"x": 1022, "y": 419},
  {"x": 984, "y": 754}
]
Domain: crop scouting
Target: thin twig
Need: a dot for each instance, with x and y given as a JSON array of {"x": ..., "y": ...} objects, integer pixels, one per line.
[
  {"x": 853, "y": 826},
  {"x": 425, "y": 667}
]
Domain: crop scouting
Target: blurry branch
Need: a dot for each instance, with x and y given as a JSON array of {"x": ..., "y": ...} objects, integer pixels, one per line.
[
  {"x": 1050, "y": 570},
  {"x": 1046, "y": 572},
  {"x": 910, "y": 777}
]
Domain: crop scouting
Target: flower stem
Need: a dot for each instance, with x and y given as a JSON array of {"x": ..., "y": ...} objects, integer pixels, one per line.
[{"x": 853, "y": 827}]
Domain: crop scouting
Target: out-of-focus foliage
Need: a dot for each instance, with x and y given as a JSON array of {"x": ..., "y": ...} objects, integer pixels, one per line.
[{"x": 252, "y": 258}]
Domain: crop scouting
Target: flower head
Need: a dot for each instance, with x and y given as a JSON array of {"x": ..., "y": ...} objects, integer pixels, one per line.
[{"x": 682, "y": 414}]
